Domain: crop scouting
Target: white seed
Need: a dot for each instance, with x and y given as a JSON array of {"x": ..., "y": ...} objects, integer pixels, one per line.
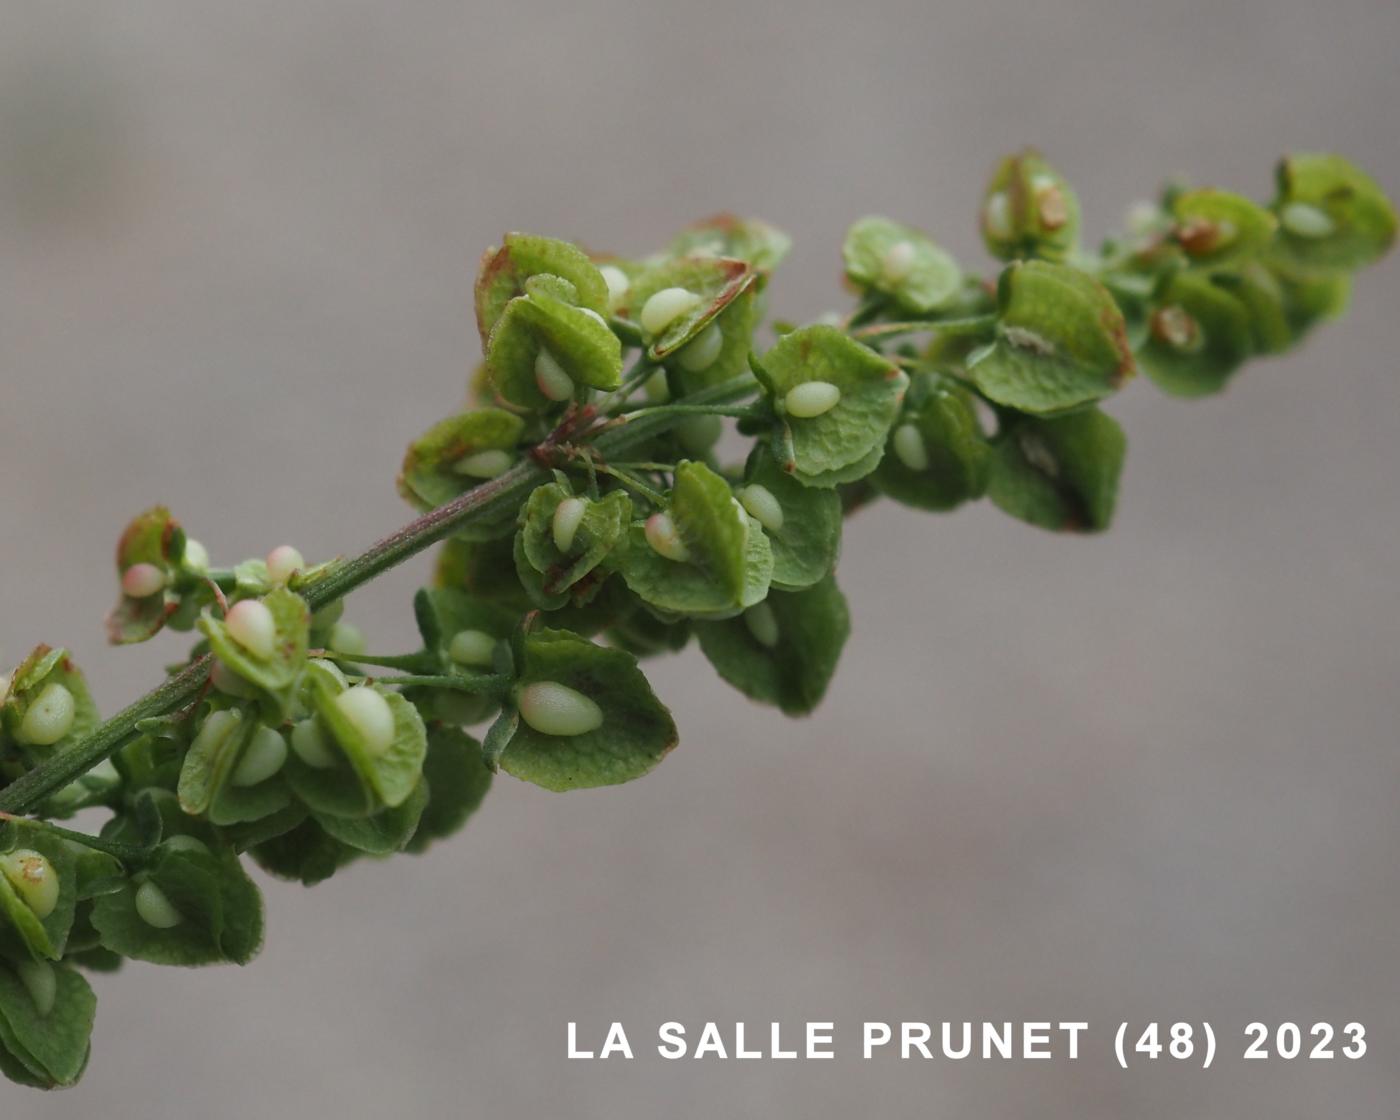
[
  {"x": 264, "y": 755},
  {"x": 897, "y": 262},
  {"x": 312, "y": 746},
  {"x": 700, "y": 353},
  {"x": 196, "y": 557},
  {"x": 617, "y": 283},
  {"x": 41, "y": 982},
  {"x": 141, "y": 581},
  {"x": 217, "y": 727},
  {"x": 568, "y": 516},
  {"x": 33, "y": 878},
  {"x": 550, "y": 377},
  {"x": 250, "y": 624},
  {"x": 183, "y": 843},
  {"x": 1304, "y": 220},
  {"x": 762, "y": 624},
  {"x": 473, "y": 648},
  {"x": 230, "y": 683},
  {"x": 996, "y": 217},
  {"x": 697, "y": 434},
  {"x": 153, "y": 908},
  {"x": 49, "y": 718},
  {"x": 763, "y": 505},
  {"x": 346, "y": 638},
  {"x": 555, "y": 709},
  {"x": 665, "y": 538},
  {"x": 657, "y": 389},
  {"x": 909, "y": 447},
  {"x": 370, "y": 715},
  {"x": 596, "y": 317},
  {"x": 282, "y": 562},
  {"x": 486, "y": 464},
  {"x": 666, "y": 306},
  {"x": 811, "y": 398}
]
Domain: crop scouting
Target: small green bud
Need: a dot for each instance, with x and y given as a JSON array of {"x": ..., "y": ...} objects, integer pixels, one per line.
[
  {"x": 263, "y": 757},
  {"x": 697, "y": 434},
  {"x": 568, "y": 516},
  {"x": 250, "y": 624},
  {"x": 153, "y": 908},
  {"x": 473, "y": 648},
  {"x": 909, "y": 447},
  {"x": 311, "y": 745},
  {"x": 283, "y": 562},
  {"x": 664, "y": 538},
  {"x": 666, "y": 306},
  {"x": 1303, "y": 220},
  {"x": 555, "y": 709},
  {"x": 33, "y": 878},
  {"x": 346, "y": 638},
  {"x": 811, "y": 398},
  {"x": 196, "y": 557},
  {"x": 550, "y": 377},
  {"x": 49, "y": 718},
  {"x": 762, "y": 624},
  {"x": 617, "y": 283},
  {"x": 489, "y": 464},
  {"x": 763, "y": 506},
  {"x": 370, "y": 715},
  {"x": 41, "y": 982},
  {"x": 141, "y": 581},
  {"x": 700, "y": 354}
]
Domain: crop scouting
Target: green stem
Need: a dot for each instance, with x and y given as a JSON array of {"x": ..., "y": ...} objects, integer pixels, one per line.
[
  {"x": 631, "y": 481},
  {"x": 484, "y": 682},
  {"x": 740, "y": 412},
  {"x": 411, "y": 662},
  {"x": 127, "y": 853}
]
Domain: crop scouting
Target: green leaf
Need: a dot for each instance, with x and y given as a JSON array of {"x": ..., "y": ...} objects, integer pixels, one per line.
[
  {"x": 506, "y": 270},
  {"x": 385, "y": 832},
  {"x": 1310, "y": 296},
  {"x": 442, "y": 613},
  {"x": 1265, "y": 303},
  {"x": 428, "y": 479},
  {"x": 306, "y": 854},
  {"x": 717, "y": 281},
  {"x": 1029, "y": 210},
  {"x": 1214, "y": 227},
  {"x": 458, "y": 780},
  {"x": 642, "y": 634},
  {"x": 761, "y": 246},
  {"x": 902, "y": 262},
  {"x": 276, "y": 674},
  {"x": 636, "y": 733},
  {"x": 602, "y": 529},
  {"x": 392, "y": 775},
  {"x": 853, "y": 431},
  {"x": 736, "y": 325},
  {"x": 1059, "y": 473},
  {"x": 483, "y": 569},
  {"x": 712, "y": 524},
  {"x": 1331, "y": 213},
  {"x": 45, "y": 666},
  {"x": 1061, "y": 341},
  {"x": 1198, "y": 335},
  {"x": 153, "y": 537},
  {"x": 806, "y": 543},
  {"x": 22, "y": 932},
  {"x": 578, "y": 339},
  {"x": 786, "y": 659},
  {"x": 53, "y": 1047},
  {"x": 944, "y": 459}
]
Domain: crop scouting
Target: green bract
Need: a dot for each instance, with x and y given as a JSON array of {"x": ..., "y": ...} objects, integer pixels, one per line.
[
  {"x": 822, "y": 449},
  {"x": 387, "y": 777},
  {"x": 636, "y": 731},
  {"x": 759, "y": 245},
  {"x": 901, "y": 262},
  {"x": 457, "y": 778},
  {"x": 275, "y": 673},
  {"x": 602, "y": 528},
  {"x": 154, "y": 538},
  {"x": 1059, "y": 473},
  {"x": 428, "y": 477},
  {"x": 1199, "y": 334},
  {"x": 27, "y": 934},
  {"x": 716, "y": 282},
  {"x": 1061, "y": 341},
  {"x": 1029, "y": 210},
  {"x": 46, "y": 1048},
  {"x": 1331, "y": 213},
  {"x": 505, "y": 272},
  {"x": 47, "y": 704},
  {"x": 576, "y": 340},
  {"x": 1215, "y": 227},
  {"x": 937, "y": 456},
  {"x": 807, "y": 539}
]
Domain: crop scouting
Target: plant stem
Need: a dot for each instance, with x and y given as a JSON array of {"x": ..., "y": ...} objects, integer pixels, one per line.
[
  {"x": 486, "y": 682},
  {"x": 127, "y": 853},
  {"x": 489, "y": 499}
]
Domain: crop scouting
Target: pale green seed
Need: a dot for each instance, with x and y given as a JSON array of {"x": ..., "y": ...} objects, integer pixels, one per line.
[
  {"x": 811, "y": 398},
  {"x": 551, "y": 378},
  {"x": 1304, "y": 220},
  {"x": 666, "y": 306},
  {"x": 473, "y": 648},
  {"x": 568, "y": 516},
  {"x": 617, "y": 283},
  {"x": 33, "y": 878},
  {"x": 346, "y": 638},
  {"x": 697, "y": 434},
  {"x": 762, "y": 624},
  {"x": 49, "y": 717},
  {"x": 41, "y": 982},
  {"x": 263, "y": 757},
  {"x": 665, "y": 539},
  {"x": 283, "y": 562},
  {"x": 897, "y": 263},
  {"x": 909, "y": 447},
  {"x": 196, "y": 557},
  {"x": 701, "y": 353},
  {"x": 251, "y": 625},
  {"x": 230, "y": 683},
  {"x": 555, "y": 709},
  {"x": 763, "y": 506},
  {"x": 370, "y": 715},
  {"x": 996, "y": 217},
  {"x": 153, "y": 908},
  {"x": 484, "y": 464},
  {"x": 311, "y": 746},
  {"x": 141, "y": 581}
]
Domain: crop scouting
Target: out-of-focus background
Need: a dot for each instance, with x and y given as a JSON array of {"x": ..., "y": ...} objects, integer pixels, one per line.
[{"x": 1150, "y": 775}]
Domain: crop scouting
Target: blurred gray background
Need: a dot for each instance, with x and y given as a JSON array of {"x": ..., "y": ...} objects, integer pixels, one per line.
[{"x": 1151, "y": 775}]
